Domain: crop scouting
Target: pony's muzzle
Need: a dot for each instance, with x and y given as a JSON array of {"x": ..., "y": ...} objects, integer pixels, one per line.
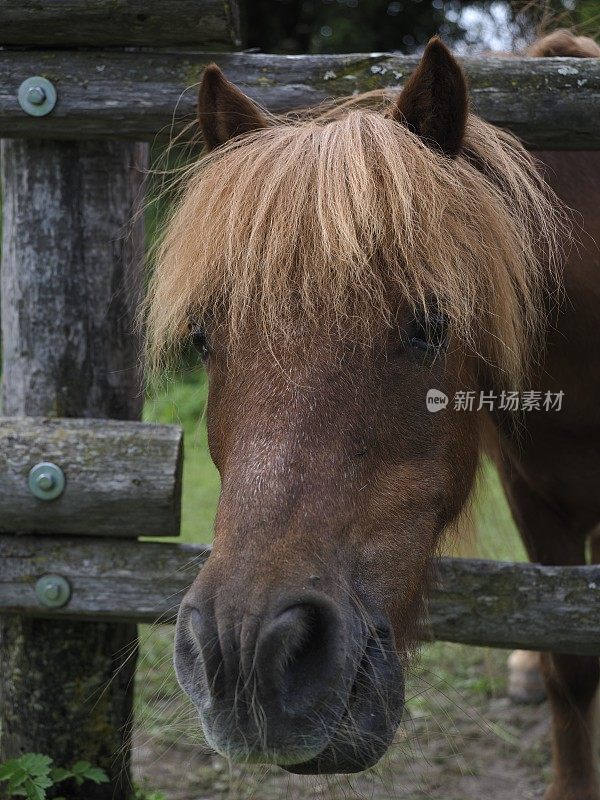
[
  {"x": 305, "y": 683},
  {"x": 271, "y": 686}
]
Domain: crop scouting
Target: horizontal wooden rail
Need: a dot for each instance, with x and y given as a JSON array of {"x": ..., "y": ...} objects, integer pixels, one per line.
[
  {"x": 487, "y": 603},
  {"x": 528, "y": 606},
  {"x": 121, "y": 478},
  {"x": 551, "y": 103},
  {"x": 110, "y": 578},
  {"x": 97, "y": 23}
]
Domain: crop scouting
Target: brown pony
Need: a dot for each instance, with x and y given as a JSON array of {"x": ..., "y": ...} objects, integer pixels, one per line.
[{"x": 331, "y": 270}]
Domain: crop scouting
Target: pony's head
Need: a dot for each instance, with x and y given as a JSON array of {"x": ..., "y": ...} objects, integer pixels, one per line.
[{"x": 331, "y": 270}]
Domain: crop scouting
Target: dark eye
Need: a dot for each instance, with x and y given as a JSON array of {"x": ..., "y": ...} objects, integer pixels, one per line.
[
  {"x": 429, "y": 333},
  {"x": 198, "y": 336}
]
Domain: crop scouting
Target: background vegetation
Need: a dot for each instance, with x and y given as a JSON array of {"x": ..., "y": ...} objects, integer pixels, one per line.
[{"x": 345, "y": 26}]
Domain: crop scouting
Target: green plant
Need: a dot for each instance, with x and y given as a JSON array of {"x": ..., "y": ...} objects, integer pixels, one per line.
[
  {"x": 32, "y": 774},
  {"x": 143, "y": 793}
]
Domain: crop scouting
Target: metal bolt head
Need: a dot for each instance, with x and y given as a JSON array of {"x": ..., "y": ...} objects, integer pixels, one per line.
[
  {"x": 46, "y": 480},
  {"x": 53, "y": 591},
  {"x": 37, "y": 96}
]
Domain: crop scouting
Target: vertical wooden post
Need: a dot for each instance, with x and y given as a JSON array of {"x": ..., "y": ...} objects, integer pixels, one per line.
[{"x": 71, "y": 259}]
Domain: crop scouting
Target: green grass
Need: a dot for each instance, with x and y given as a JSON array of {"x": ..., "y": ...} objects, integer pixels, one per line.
[{"x": 182, "y": 402}]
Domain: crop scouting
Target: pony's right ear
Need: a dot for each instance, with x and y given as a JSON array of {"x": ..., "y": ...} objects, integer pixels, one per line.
[
  {"x": 434, "y": 101},
  {"x": 224, "y": 111}
]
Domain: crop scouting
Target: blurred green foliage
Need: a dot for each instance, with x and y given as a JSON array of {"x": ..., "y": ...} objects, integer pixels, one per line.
[
  {"x": 338, "y": 26},
  {"x": 31, "y": 774}
]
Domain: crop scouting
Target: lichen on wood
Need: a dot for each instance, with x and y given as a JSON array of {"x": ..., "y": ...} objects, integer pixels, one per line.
[
  {"x": 551, "y": 103},
  {"x": 122, "y": 478},
  {"x": 71, "y": 268}
]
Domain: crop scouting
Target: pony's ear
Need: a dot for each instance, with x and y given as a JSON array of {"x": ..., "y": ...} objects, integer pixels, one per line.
[
  {"x": 224, "y": 111},
  {"x": 434, "y": 102}
]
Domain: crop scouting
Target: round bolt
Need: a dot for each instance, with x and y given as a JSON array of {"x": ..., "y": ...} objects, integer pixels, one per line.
[
  {"x": 53, "y": 591},
  {"x": 36, "y": 95},
  {"x": 46, "y": 481}
]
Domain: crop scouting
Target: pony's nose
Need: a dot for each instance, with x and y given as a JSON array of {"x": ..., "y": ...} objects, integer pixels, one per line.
[
  {"x": 204, "y": 629},
  {"x": 291, "y": 660},
  {"x": 299, "y": 654}
]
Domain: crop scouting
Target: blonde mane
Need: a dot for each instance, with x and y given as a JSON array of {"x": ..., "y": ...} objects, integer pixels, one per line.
[{"x": 333, "y": 219}]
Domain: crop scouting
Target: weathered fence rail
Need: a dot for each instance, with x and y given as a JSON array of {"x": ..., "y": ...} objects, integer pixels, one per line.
[
  {"x": 97, "y": 23},
  {"x": 121, "y": 478},
  {"x": 551, "y": 103},
  {"x": 487, "y": 603}
]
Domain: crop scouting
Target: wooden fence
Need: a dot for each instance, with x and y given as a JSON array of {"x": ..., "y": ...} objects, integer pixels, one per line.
[
  {"x": 488, "y": 603},
  {"x": 551, "y": 103},
  {"x": 83, "y": 87}
]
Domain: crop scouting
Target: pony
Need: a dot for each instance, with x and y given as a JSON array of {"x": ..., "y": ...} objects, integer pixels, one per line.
[{"x": 333, "y": 269}]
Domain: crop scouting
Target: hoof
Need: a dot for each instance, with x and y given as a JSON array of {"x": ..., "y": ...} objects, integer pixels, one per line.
[{"x": 525, "y": 682}]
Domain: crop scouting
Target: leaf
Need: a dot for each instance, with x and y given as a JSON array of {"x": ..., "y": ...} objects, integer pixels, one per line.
[
  {"x": 83, "y": 770},
  {"x": 81, "y": 767},
  {"x": 35, "y": 763},
  {"x": 8, "y": 769},
  {"x": 33, "y": 791},
  {"x": 96, "y": 775},
  {"x": 58, "y": 774},
  {"x": 38, "y": 793},
  {"x": 17, "y": 779},
  {"x": 44, "y": 781}
]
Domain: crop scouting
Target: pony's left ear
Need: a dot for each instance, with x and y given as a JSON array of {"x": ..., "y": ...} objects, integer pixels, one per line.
[
  {"x": 434, "y": 102},
  {"x": 224, "y": 111}
]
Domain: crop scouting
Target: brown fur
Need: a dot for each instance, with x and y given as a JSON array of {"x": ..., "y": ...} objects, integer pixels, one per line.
[
  {"x": 437, "y": 85},
  {"x": 304, "y": 249},
  {"x": 550, "y": 481},
  {"x": 565, "y": 43},
  {"x": 223, "y": 111}
]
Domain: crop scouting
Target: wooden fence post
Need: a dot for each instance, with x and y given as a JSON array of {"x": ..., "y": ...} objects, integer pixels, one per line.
[{"x": 71, "y": 260}]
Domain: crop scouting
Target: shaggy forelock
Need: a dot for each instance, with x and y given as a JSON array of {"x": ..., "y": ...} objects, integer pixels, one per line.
[{"x": 334, "y": 221}]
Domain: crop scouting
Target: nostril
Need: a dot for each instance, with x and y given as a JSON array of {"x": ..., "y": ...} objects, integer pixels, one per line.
[
  {"x": 296, "y": 657},
  {"x": 304, "y": 654},
  {"x": 204, "y": 630}
]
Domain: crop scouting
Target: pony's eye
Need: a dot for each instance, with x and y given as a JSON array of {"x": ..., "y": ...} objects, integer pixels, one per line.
[
  {"x": 429, "y": 334},
  {"x": 198, "y": 336}
]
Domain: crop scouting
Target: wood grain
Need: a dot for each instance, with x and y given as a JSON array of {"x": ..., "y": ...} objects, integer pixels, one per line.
[
  {"x": 524, "y": 606},
  {"x": 122, "y": 478},
  {"x": 71, "y": 268},
  {"x": 118, "y": 23},
  {"x": 551, "y": 103},
  {"x": 489, "y": 603}
]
